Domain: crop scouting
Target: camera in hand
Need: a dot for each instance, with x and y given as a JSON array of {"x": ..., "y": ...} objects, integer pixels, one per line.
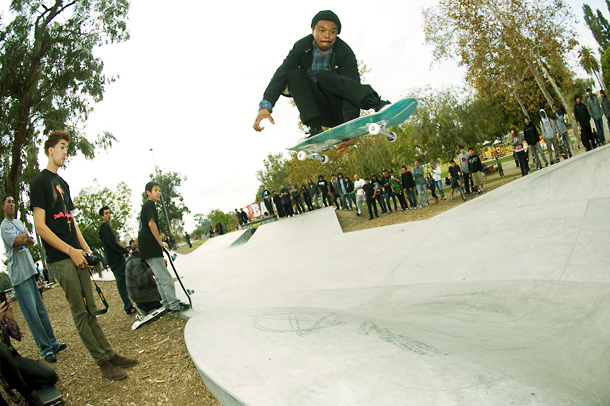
[{"x": 92, "y": 260}]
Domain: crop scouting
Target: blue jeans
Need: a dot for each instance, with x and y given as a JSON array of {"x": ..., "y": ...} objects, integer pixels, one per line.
[
  {"x": 439, "y": 186},
  {"x": 388, "y": 196},
  {"x": 119, "y": 276},
  {"x": 351, "y": 198},
  {"x": 382, "y": 205},
  {"x": 344, "y": 201},
  {"x": 411, "y": 197},
  {"x": 36, "y": 315},
  {"x": 599, "y": 124}
]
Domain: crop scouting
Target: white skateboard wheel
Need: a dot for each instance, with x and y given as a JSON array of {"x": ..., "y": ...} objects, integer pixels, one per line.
[
  {"x": 302, "y": 155},
  {"x": 393, "y": 137},
  {"x": 374, "y": 129},
  {"x": 324, "y": 159}
]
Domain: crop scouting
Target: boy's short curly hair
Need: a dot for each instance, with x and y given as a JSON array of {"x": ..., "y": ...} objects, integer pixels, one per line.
[{"x": 54, "y": 138}]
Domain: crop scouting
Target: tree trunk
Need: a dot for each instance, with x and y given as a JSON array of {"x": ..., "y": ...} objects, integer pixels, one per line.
[
  {"x": 563, "y": 102},
  {"x": 521, "y": 104},
  {"x": 540, "y": 82}
]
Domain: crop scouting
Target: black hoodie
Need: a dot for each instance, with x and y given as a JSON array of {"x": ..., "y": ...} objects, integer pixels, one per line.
[{"x": 530, "y": 134}]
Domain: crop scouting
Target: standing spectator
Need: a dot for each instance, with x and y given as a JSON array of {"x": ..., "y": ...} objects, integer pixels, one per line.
[
  {"x": 239, "y": 219},
  {"x": 244, "y": 217},
  {"x": 595, "y": 109},
  {"x": 324, "y": 189},
  {"x": 387, "y": 189},
  {"x": 397, "y": 188},
  {"x": 151, "y": 249},
  {"x": 431, "y": 185},
  {"x": 581, "y": 113},
  {"x": 187, "y": 237},
  {"x": 379, "y": 195},
  {"x": 23, "y": 276},
  {"x": 349, "y": 192},
  {"x": 335, "y": 190},
  {"x": 219, "y": 229},
  {"x": 312, "y": 190},
  {"x": 115, "y": 254},
  {"x": 343, "y": 191},
  {"x": 476, "y": 169},
  {"x": 550, "y": 133},
  {"x": 277, "y": 200},
  {"x": 516, "y": 141},
  {"x": 420, "y": 184},
  {"x": 65, "y": 247},
  {"x": 306, "y": 197},
  {"x": 560, "y": 123},
  {"x": 359, "y": 189},
  {"x": 463, "y": 160},
  {"x": 286, "y": 203},
  {"x": 454, "y": 176},
  {"x": 605, "y": 106},
  {"x": 531, "y": 137},
  {"x": 436, "y": 175},
  {"x": 370, "y": 191},
  {"x": 296, "y": 198},
  {"x": 267, "y": 199},
  {"x": 408, "y": 183},
  {"x": 211, "y": 231}
]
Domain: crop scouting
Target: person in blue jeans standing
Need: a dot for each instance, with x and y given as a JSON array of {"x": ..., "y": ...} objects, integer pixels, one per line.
[{"x": 22, "y": 273}]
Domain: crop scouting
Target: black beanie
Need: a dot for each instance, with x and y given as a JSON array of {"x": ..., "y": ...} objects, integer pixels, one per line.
[{"x": 326, "y": 15}]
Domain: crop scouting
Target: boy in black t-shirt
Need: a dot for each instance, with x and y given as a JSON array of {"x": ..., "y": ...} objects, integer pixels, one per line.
[
  {"x": 454, "y": 175},
  {"x": 151, "y": 249},
  {"x": 369, "y": 196},
  {"x": 66, "y": 248}
]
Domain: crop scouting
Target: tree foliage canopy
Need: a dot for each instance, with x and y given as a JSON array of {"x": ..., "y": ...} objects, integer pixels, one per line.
[
  {"x": 91, "y": 199},
  {"x": 50, "y": 78}
]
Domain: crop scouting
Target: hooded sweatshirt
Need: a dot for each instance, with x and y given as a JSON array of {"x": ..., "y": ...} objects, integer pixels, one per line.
[
  {"x": 547, "y": 126},
  {"x": 530, "y": 133}
]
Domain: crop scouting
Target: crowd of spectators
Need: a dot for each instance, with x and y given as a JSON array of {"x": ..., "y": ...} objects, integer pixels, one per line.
[{"x": 409, "y": 189}]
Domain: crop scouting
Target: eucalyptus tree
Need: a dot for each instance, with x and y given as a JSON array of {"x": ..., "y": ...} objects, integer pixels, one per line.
[{"x": 50, "y": 78}]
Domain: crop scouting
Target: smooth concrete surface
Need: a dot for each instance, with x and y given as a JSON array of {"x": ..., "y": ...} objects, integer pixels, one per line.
[{"x": 504, "y": 300}]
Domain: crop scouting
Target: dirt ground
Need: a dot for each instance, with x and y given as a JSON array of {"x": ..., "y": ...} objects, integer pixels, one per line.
[{"x": 165, "y": 375}]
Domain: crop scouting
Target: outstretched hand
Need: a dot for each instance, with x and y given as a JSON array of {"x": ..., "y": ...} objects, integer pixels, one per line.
[
  {"x": 342, "y": 146},
  {"x": 262, "y": 114}
]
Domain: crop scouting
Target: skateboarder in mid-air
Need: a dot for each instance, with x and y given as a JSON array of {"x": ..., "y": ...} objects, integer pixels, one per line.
[{"x": 321, "y": 74}]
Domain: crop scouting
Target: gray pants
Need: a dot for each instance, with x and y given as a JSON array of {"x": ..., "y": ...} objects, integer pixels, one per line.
[
  {"x": 536, "y": 150},
  {"x": 165, "y": 283},
  {"x": 314, "y": 200},
  {"x": 359, "y": 201},
  {"x": 423, "y": 194},
  {"x": 555, "y": 144}
]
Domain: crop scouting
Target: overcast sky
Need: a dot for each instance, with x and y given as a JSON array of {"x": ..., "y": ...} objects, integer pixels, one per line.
[{"x": 193, "y": 73}]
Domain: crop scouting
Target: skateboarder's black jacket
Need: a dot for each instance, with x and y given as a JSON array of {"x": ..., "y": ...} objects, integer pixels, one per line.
[{"x": 301, "y": 56}]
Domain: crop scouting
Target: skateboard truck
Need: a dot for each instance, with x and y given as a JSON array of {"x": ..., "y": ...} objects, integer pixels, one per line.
[
  {"x": 381, "y": 128},
  {"x": 302, "y": 155}
]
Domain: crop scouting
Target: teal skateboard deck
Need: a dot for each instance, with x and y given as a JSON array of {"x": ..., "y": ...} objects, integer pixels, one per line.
[
  {"x": 374, "y": 124},
  {"x": 49, "y": 395}
]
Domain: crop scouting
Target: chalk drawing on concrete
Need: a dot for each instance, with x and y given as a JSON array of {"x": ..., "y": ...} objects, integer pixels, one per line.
[
  {"x": 300, "y": 322},
  {"x": 401, "y": 341}
]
